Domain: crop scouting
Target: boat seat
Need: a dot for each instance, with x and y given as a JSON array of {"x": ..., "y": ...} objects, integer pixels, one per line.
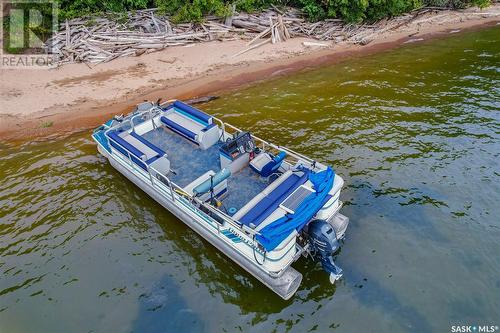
[
  {"x": 138, "y": 144},
  {"x": 192, "y": 124},
  {"x": 265, "y": 164},
  {"x": 141, "y": 151},
  {"x": 150, "y": 145},
  {"x": 266, "y": 202}
]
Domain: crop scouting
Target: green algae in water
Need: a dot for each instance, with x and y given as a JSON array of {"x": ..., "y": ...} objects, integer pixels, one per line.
[{"x": 414, "y": 132}]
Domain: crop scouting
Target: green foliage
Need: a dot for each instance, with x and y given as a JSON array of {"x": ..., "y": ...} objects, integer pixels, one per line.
[
  {"x": 356, "y": 10},
  {"x": 195, "y": 10},
  {"x": 46, "y": 124},
  {"x": 313, "y": 9},
  {"x": 371, "y": 10},
  {"x": 458, "y": 3},
  {"x": 75, "y": 8},
  {"x": 481, "y": 3},
  {"x": 350, "y": 11},
  {"x": 253, "y": 5},
  {"x": 379, "y": 9}
]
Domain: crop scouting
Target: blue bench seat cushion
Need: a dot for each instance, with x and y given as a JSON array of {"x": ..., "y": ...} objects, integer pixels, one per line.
[
  {"x": 135, "y": 154},
  {"x": 193, "y": 112},
  {"x": 270, "y": 202},
  {"x": 178, "y": 128},
  {"x": 131, "y": 149}
]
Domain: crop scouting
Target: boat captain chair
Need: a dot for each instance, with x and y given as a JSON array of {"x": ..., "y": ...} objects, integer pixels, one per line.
[{"x": 265, "y": 164}]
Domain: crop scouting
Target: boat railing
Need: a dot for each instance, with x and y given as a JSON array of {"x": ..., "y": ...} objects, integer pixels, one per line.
[
  {"x": 151, "y": 112},
  {"x": 265, "y": 144},
  {"x": 174, "y": 190},
  {"x": 180, "y": 191}
]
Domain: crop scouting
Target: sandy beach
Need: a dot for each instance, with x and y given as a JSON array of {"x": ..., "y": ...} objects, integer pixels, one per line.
[{"x": 47, "y": 102}]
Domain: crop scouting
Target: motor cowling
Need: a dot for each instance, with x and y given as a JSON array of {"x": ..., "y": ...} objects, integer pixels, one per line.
[{"x": 324, "y": 243}]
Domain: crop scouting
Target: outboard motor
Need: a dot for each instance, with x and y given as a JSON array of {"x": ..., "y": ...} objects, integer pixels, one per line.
[{"x": 323, "y": 240}]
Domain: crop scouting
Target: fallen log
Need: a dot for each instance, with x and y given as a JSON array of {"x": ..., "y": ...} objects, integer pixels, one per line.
[
  {"x": 199, "y": 100},
  {"x": 252, "y": 47}
]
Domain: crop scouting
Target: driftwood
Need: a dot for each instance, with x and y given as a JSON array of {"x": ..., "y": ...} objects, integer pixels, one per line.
[
  {"x": 97, "y": 40},
  {"x": 203, "y": 99},
  {"x": 276, "y": 31},
  {"x": 253, "y": 47},
  {"x": 102, "y": 39},
  {"x": 315, "y": 44}
]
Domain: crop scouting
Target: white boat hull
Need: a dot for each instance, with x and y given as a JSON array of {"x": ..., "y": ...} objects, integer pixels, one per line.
[{"x": 285, "y": 285}]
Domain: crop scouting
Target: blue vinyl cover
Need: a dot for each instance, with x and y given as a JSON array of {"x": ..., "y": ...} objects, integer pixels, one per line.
[
  {"x": 270, "y": 202},
  {"x": 139, "y": 162},
  {"x": 274, "y": 233},
  {"x": 178, "y": 128},
  {"x": 151, "y": 160},
  {"x": 194, "y": 112}
]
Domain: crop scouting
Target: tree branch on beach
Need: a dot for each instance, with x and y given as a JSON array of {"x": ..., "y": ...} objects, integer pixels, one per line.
[{"x": 102, "y": 39}]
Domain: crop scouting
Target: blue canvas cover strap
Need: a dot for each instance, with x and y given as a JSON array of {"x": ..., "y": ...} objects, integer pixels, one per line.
[{"x": 274, "y": 233}]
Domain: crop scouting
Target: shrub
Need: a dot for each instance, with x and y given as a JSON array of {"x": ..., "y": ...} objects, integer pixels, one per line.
[
  {"x": 457, "y": 3},
  {"x": 194, "y": 10},
  {"x": 71, "y": 8}
]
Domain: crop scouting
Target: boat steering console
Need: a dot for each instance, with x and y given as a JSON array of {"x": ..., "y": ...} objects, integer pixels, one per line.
[{"x": 242, "y": 143}]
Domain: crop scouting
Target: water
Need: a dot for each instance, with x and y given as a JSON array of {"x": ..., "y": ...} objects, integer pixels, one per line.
[{"x": 415, "y": 133}]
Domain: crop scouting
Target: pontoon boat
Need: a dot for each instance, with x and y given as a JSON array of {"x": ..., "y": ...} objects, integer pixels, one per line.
[{"x": 261, "y": 204}]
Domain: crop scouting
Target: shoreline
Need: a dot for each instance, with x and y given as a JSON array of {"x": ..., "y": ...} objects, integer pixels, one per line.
[{"x": 58, "y": 99}]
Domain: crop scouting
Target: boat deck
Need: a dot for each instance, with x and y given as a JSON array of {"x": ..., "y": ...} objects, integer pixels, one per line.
[
  {"x": 243, "y": 187},
  {"x": 189, "y": 161}
]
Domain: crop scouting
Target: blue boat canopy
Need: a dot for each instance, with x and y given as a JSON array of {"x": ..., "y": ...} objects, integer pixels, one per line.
[{"x": 274, "y": 233}]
